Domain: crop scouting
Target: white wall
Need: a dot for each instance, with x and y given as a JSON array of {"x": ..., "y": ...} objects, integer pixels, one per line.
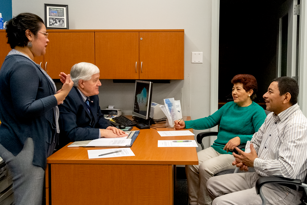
[{"x": 192, "y": 16}]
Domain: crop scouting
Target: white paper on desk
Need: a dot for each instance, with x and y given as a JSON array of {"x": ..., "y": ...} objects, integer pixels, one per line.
[
  {"x": 79, "y": 143},
  {"x": 103, "y": 142},
  {"x": 175, "y": 133},
  {"x": 177, "y": 143},
  {"x": 125, "y": 152},
  {"x": 85, "y": 142}
]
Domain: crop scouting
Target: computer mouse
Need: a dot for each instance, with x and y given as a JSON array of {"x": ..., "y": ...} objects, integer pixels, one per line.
[{"x": 122, "y": 126}]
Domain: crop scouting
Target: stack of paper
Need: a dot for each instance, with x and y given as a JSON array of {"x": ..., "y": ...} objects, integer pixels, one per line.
[
  {"x": 108, "y": 142},
  {"x": 172, "y": 110},
  {"x": 104, "y": 142}
]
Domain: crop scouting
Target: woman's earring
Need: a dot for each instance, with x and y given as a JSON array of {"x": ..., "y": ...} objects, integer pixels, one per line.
[{"x": 29, "y": 45}]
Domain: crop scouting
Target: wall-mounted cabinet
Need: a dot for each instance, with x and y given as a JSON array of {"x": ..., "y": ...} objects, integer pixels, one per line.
[
  {"x": 66, "y": 49},
  {"x": 140, "y": 55},
  {"x": 119, "y": 54},
  {"x": 63, "y": 51},
  {"x": 4, "y": 47}
]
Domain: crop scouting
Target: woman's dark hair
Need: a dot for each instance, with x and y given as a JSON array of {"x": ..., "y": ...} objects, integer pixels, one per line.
[
  {"x": 248, "y": 81},
  {"x": 288, "y": 85},
  {"x": 16, "y": 27}
]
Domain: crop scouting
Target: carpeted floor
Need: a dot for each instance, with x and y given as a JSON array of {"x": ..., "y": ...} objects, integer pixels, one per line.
[
  {"x": 181, "y": 192},
  {"x": 181, "y": 189}
]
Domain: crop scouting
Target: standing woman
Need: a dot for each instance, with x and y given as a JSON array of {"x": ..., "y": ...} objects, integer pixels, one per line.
[
  {"x": 28, "y": 108},
  {"x": 238, "y": 121}
]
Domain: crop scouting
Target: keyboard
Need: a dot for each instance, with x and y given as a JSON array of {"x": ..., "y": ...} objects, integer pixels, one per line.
[{"x": 124, "y": 121}]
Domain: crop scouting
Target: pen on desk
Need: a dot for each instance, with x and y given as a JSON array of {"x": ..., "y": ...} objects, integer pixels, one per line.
[
  {"x": 109, "y": 153},
  {"x": 182, "y": 141}
]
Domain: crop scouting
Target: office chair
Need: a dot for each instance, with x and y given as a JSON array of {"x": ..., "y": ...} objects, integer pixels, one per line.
[
  {"x": 200, "y": 138},
  {"x": 291, "y": 183}
]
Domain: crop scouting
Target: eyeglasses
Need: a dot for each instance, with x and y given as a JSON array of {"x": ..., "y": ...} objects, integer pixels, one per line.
[{"x": 45, "y": 34}]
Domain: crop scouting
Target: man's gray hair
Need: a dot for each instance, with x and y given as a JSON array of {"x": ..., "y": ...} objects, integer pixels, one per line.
[{"x": 83, "y": 71}]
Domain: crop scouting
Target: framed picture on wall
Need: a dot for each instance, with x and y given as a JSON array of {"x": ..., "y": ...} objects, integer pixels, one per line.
[{"x": 56, "y": 16}]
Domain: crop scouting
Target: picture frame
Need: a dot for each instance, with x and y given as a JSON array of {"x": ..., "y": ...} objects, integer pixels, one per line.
[{"x": 56, "y": 16}]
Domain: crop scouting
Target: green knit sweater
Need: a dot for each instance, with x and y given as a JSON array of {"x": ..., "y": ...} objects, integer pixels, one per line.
[{"x": 234, "y": 121}]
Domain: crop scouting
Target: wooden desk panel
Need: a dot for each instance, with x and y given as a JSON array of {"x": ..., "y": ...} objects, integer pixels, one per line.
[{"x": 111, "y": 184}]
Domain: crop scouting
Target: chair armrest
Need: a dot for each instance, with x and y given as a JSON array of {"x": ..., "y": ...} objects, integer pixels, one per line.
[
  {"x": 291, "y": 183},
  {"x": 201, "y": 135}
]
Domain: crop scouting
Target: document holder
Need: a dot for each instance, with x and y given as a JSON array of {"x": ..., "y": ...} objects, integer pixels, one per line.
[{"x": 134, "y": 136}]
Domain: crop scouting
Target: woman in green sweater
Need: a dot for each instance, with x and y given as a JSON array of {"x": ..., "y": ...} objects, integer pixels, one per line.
[{"x": 238, "y": 121}]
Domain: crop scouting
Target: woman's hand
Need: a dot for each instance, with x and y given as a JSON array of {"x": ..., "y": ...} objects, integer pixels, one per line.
[
  {"x": 60, "y": 102},
  {"x": 179, "y": 124},
  {"x": 231, "y": 144},
  {"x": 110, "y": 134},
  {"x": 115, "y": 130},
  {"x": 63, "y": 92},
  {"x": 63, "y": 77}
]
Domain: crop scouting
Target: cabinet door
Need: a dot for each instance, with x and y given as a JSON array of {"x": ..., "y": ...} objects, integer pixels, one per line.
[
  {"x": 40, "y": 60},
  {"x": 117, "y": 54},
  {"x": 162, "y": 55},
  {"x": 66, "y": 49},
  {"x": 4, "y": 47}
]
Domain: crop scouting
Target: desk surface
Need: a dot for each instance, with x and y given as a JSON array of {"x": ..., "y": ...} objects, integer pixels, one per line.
[
  {"x": 146, "y": 178},
  {"x": 145, "y": 148}
]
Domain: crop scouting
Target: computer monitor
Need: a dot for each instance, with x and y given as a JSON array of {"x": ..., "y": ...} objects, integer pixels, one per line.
[{"x": 142, "y": 99}]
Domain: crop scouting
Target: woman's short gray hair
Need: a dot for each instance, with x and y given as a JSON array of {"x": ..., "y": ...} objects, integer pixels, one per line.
[{"x": 83, "y": 71}]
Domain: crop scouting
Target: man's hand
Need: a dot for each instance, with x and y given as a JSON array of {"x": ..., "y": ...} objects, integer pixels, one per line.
[
  {"x": 115, "y": 130},
  {"x": 110, "y": 134},
  {"x": 246, "y": 158},
  {"x": 239, "y": 164},
  {"x": 231, "y": 144}
]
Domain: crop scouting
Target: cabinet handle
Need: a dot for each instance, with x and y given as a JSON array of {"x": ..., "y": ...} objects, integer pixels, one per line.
[
  {"x": 141, "y": 67},
  {"x": 46, "y": 66},
  {"x": 136, "y": 65},
  {"x": 40, "y": 64}
]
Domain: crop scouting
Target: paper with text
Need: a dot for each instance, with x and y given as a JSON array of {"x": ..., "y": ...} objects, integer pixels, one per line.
[
  {"x": 109, "y": 142},
  {"x": 79, "y": 143},
  {"x": 175, "y": 133},
  {"x": 123, "y": 152},
  {"x": 177, "y": 143}
]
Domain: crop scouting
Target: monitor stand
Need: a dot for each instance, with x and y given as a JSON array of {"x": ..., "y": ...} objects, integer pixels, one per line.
[{"x": 142, "y": 123}]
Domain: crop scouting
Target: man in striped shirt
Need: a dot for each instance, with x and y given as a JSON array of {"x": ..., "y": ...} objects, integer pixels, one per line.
[{"x": 278, "y": 148}]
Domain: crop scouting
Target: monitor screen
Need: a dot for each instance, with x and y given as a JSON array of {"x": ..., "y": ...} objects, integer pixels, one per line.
[{"x": 142, "y": 99}]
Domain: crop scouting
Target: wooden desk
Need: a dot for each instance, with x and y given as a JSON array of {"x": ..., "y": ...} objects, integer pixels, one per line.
[{"x": 146, "y": 178}]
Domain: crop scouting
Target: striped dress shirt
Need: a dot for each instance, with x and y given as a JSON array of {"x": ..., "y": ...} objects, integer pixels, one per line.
[{"x": 281, "y": 145}]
